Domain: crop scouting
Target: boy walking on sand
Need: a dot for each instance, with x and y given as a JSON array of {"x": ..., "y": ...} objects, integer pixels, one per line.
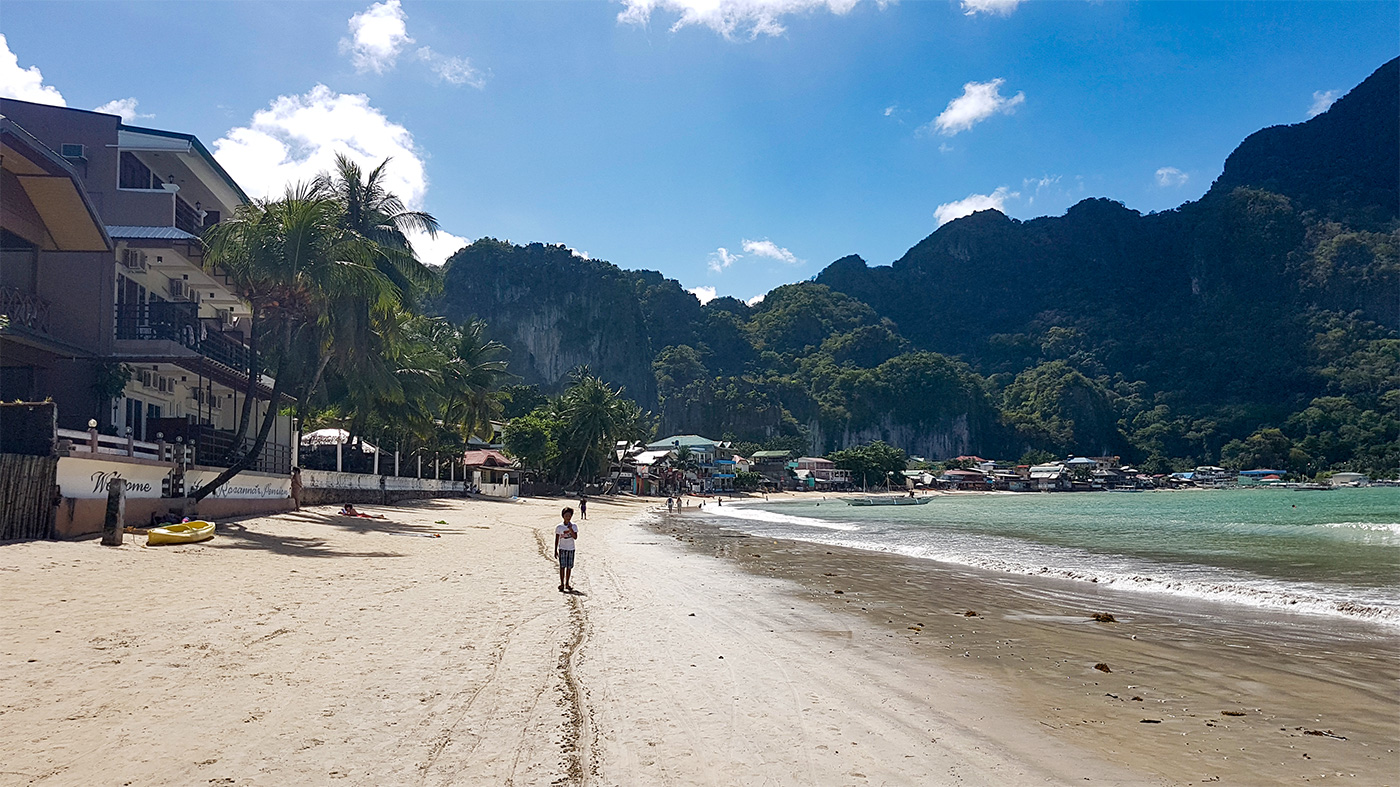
[{"x": 564, "y": 536}]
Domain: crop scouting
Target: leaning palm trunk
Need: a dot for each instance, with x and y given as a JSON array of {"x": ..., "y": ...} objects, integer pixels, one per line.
[
  {"x": 251, "y": 457},
  {"x": 246, "y": 415}
]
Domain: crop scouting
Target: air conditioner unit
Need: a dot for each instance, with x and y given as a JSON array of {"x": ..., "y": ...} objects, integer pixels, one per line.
[
  {"x": 178, "y": 289},
  {"x": 73, "y": 150},
  {"x": 134, "y": 260}
]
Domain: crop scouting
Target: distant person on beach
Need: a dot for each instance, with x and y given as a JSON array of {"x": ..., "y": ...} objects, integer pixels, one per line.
[
  {"x": 583, "y": 507},
  {"x": 296, "y": 488},
  {"x": 564, "y": 536},
  {"x": 349, "y": 510},
  {"x": 670, "y": 505}
]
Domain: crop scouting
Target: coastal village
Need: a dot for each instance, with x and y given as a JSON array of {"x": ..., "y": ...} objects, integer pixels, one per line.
[
  {"x": 130, "y": 356},
  {"x": 285, "y": 491}
]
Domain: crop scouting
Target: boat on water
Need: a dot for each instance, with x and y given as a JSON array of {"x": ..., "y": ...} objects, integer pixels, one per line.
[
  {"x": 888, "y": 500},
  {"x": 182, "y": 533}
]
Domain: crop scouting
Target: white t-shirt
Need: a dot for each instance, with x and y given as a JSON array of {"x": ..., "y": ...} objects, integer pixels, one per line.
[{"x": 566, "y": 541}]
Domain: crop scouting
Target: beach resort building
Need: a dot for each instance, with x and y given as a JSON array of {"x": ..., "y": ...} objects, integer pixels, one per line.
[
  {"x": 113, "y": 316},
  {"x": 145, "y": 303}
]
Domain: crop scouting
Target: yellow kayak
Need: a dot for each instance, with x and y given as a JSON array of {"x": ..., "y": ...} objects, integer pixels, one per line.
[{"x": 183, "y": 533}]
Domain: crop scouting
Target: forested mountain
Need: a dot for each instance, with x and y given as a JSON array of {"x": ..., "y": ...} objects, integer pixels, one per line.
[{"x": 1257, "y": 325}]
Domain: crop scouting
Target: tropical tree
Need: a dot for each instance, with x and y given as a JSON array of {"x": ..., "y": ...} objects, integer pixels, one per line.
[
  {"x": 292, "y": 260},
  {"x": 595, "y": 416}
]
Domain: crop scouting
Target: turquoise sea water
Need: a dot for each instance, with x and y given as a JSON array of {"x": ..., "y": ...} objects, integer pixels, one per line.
[{"x": 1329, "y": 553}]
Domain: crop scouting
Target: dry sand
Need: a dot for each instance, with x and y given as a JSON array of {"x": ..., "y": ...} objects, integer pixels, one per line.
[{"x": 312, "y": 649}]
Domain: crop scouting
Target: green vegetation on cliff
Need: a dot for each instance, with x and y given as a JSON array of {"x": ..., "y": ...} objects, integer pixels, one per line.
[{"x": 1257, "y": 325}]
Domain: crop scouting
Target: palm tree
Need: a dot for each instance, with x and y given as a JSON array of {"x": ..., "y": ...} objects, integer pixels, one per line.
[
  {"x": 292, "y": 259},
  {"x": 595, "y": 417},
  {"x": 378, "y": 214},
  {"x": 474, "y": 370}
]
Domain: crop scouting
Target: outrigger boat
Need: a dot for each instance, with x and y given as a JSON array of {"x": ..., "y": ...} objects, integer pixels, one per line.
[
  {"x": 183, "y": 533},
  {"x": 888, "y": 500}
]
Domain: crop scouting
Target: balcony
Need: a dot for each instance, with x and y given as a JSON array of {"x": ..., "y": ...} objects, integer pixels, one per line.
[
  {"x": 180, "y": 323},
  {"x": 24, "y": 309},
  {"x": 215, "y": 447}
]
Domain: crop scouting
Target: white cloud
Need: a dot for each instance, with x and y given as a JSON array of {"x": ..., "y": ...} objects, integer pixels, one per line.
[
  {"x": 1171, "y": 177},
  {"x": 377, "y": 35},
  {"x": 25, "y": 84},
  {"x": 944, "y": 147},
  {"x": 979, "y": 101},
  {"x": 126, "y": 107},
  {"x": 453, "y": 70},
  {"x": 436, "y": 250},
  {"x": 1322, "y": 100},
  {"x": 998, "y": 7},
  {"x": 889, "y": 110},
  {"x": 757, "y": 299},
  {"x": 721, "y": 258},
  {"x": 972, "y": 203},
  {"x": 705, "y": 294},
  {"x": 297, "y": 137},
  {"x": 730, "y": 17},
  {"x": 771, "y": 250}
]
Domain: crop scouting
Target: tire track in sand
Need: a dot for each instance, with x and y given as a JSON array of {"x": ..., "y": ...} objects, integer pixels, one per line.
[{"x": 576, "y": 744}]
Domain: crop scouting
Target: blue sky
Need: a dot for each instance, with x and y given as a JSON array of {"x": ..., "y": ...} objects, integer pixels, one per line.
[{"x": 733, "y": 144}]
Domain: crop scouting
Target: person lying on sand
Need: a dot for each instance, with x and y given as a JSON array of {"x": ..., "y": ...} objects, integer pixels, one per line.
[{"x": 349, "y": 510}]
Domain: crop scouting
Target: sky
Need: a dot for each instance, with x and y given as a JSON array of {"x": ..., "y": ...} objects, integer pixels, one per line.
[{"x": 734, "y": 145}]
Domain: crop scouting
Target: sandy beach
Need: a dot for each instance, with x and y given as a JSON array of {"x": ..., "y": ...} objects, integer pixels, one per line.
[{"x": 307, "y": 648}]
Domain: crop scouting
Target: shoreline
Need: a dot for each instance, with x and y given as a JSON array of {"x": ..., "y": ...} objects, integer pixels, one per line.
[{"x": 1290, "y": 675}]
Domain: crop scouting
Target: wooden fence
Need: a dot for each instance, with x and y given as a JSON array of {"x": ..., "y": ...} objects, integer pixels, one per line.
[{"x": 27, "y": 485}]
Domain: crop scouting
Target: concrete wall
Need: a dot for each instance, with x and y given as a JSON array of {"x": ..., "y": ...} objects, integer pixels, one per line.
[{"x": 327, "y": 487}]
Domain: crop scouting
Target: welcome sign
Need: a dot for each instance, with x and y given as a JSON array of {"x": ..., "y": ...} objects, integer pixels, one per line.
[{"x": 87, "y": 478}]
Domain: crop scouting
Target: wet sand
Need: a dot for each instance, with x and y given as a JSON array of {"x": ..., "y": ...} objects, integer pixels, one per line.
[{"x": 1195, "y": 691}]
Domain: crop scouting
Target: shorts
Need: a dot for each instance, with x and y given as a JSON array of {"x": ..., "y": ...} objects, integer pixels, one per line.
[{"x": 566, "y": 558}]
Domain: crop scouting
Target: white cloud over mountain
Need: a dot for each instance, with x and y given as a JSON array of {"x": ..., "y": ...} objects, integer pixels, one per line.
[
  {"x": 979, "y": 101},
  {"x": 731, "y": 18},
  {"x": 1170, "y": 177},
  {"x": 771, "y": 250},
  {"x": 25, "y": 84},
  {"x": 1322, "y": 101},
  {"x": 297, "y": 137},
  {"x": 721, "y": 258},
  {"x": 705, "y": 294},
  {"x": 972, "y": 203}
]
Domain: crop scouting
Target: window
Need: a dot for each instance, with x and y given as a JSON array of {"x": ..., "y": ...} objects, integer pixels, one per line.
[
  {"x": 135, "y": 174},
  {"x": 19, "y": 263}
]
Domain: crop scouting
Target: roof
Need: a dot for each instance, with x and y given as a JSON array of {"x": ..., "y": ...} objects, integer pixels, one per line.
[
  {"x": 198, "y": 146},
  {"x": 771, "y": 454},
  {"x": 816, "y": 460},
  {"x": 1261, "y": 473},
  {"x": 129, "y": 232},
  {"x": 649, "y": 457},
  {"x": 333, "y": 437},
  {"x": 55, "y": 191},
  {"x": 691, "y": 441},
  {"x": 486, "y": 457},
  {"x": 1081, "y": 460},
  {"x": 964, "y": 474}
]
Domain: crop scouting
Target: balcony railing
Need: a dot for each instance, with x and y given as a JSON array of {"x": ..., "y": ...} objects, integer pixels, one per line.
[
  {"x": 214, "y": 447},
  {"x": 180, "y": 323},
  {"x": 26, "y": 309}
]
